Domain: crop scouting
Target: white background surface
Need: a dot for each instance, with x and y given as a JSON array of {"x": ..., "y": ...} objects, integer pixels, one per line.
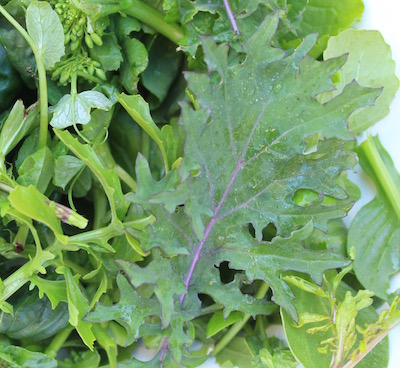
[{"x": 382, "y": 15}]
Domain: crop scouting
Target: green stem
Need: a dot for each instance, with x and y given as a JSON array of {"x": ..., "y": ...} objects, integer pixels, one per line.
[
  {"x": 385, "y": 179},
  {"x": 58, "y": 341},
  {"x": 100, "y": 207},
  {"x": 15, "y": 281},
  {"x": 105, "y": 155},
  {"x": 235, "y": 329},
  {"x": 43, "y": 98},
  {"x": 153, "y": 18}
]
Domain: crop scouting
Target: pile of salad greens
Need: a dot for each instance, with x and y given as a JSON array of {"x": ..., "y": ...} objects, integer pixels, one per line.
[{"x": 173, "y": 173}]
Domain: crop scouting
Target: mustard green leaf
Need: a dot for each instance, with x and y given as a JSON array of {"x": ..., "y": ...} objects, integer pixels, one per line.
[{"x": 130, "y": 311}]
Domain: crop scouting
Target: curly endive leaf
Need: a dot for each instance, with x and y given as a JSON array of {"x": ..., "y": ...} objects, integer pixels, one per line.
[{"x": 246, "y": 155}]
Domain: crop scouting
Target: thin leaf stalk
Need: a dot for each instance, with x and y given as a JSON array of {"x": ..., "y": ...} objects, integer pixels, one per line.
[
  {"x": 153, "y": 18},
  {"x": 58, "y": 341},
  {"x": 237, "y": 327},
  {"x": 43, "y": 98}
]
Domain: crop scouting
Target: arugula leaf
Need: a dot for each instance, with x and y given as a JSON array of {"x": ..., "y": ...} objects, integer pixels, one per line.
[
  {"x": 40, "y": 18},
  {"x": 375, "y": 230},
  {"x": 370, "y": 67}
]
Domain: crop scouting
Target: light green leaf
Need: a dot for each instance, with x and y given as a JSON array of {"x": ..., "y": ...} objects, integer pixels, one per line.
[
  {"x": 30, "y": 202},
  {"x": 108, "y": 178},
  {"x": 18, "y": 357},
  {"x": 304, "y": 345},
  {"x": 46, "y": 30},
  {"x": 217, "y": 322},
  {"x": 370, "y": 63},
  {"x": 375, "y": 231},
  {"x": 78, "y": 308},
  {"x": 16, "y": 126},
  {"x": 83, "y": 103},
  {"x": 139, "y": 110},
  {"x": 327, "y": 18},
  {"x": 56, "y": 291},
  {"x": 135, "y": 62},
  {"x": 66, "y": 167},
  {"x": 237, "y": 352},
  {"x": 37, "y": 169}
]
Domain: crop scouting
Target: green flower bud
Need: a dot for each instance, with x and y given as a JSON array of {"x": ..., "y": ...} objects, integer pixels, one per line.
[
  {"x": 64, "y": 77},
  {"x": 67, "y": 38},
  {"x": 75, "y": 45},
  {"x": 100, "y": 73},
  {"x": 90, "y": 69},
  {"x": 73, "y": 37},
  {"x": 96, "y": 39},
  {"x": 88, "y": 41}
]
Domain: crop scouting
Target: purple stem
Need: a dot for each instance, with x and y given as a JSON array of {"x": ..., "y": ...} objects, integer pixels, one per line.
[
  {"x": 164, "y": 349},
  {"x": 231, "y": 17}
]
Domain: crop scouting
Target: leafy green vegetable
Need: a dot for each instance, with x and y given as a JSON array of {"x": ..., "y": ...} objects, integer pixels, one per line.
[
  {"x": 72, "y": 110},
  {"x": 369, "y": 67},
  {"x": 327, "y": 18},
  {"x": 374, "y": 232},
  {"x": 40, "y": 18},
  {"x": 321, "y": 321},
  {"x": 189, "y": 181}
]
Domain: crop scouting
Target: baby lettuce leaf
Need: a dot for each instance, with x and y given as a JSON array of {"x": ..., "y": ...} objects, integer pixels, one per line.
[
  {"x": 244, "y": 159},
  {"x": 375, "y": 231},
  {"x": 40, "y": 18},
  {"x": 370, "y": 67}
]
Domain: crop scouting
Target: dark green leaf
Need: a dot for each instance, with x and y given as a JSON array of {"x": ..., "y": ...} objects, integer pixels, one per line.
[
  {"x": 108, "y": 54},
  {"x": 66, "y": 167},
  {"x": 34, "y": 319},
  {"x": 37, "y": 169},
  {"x": 130, "y": 311}
]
